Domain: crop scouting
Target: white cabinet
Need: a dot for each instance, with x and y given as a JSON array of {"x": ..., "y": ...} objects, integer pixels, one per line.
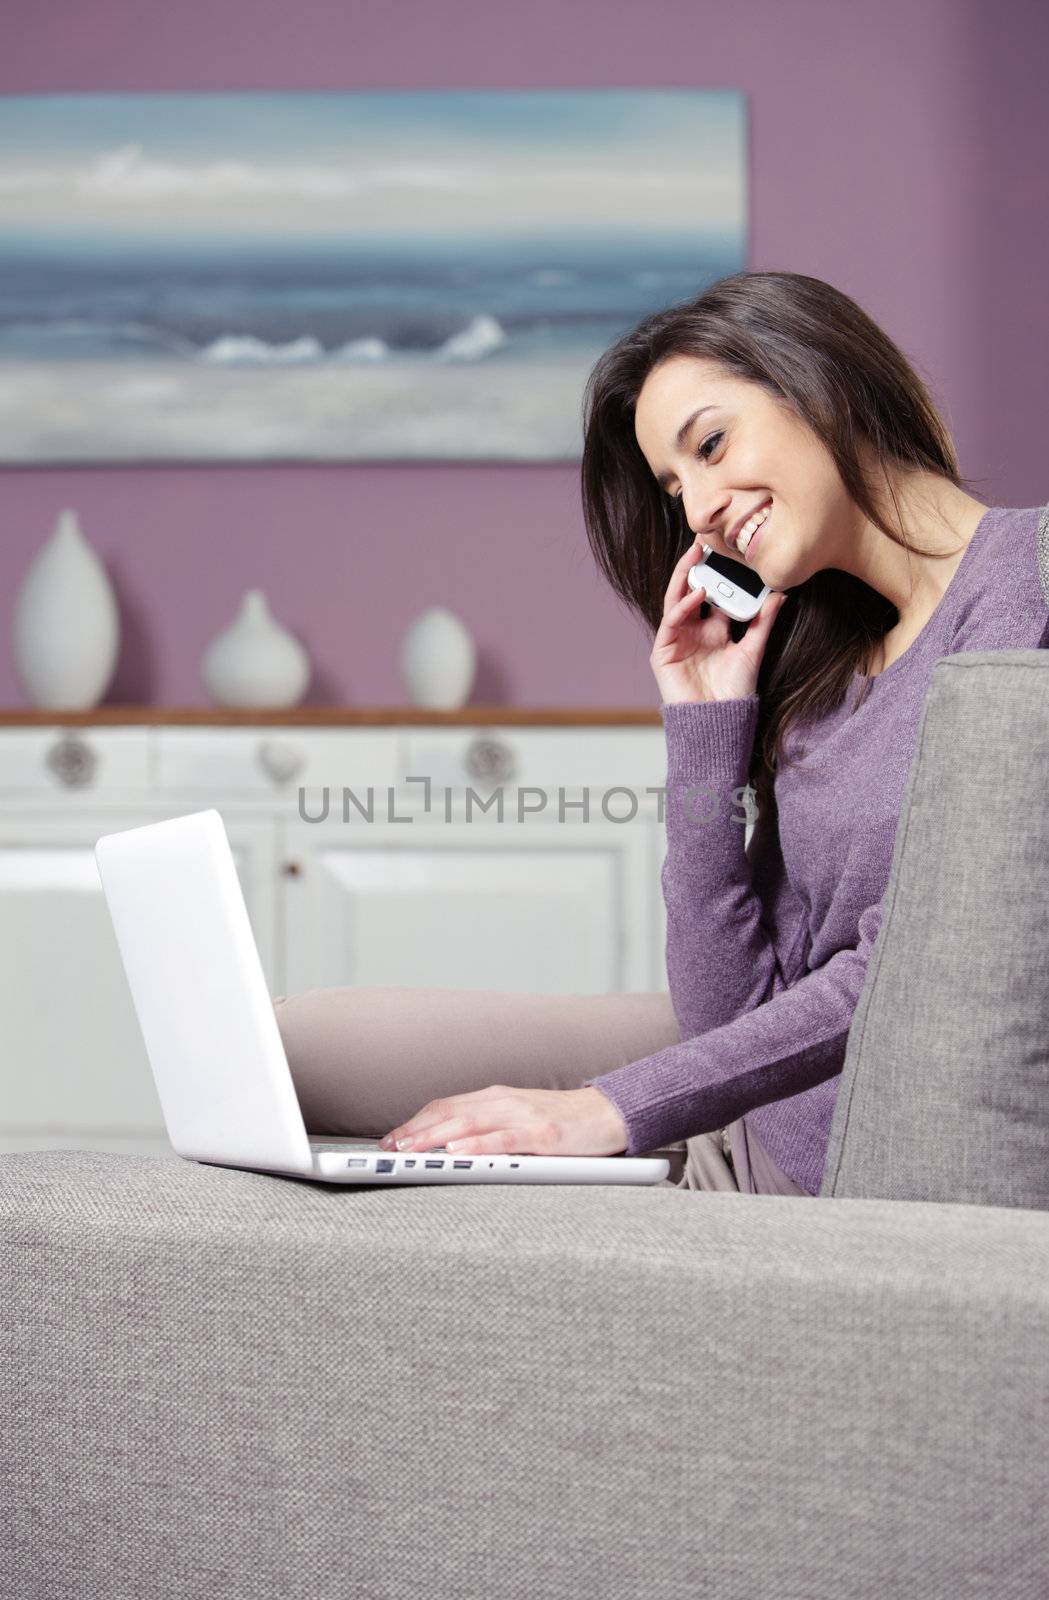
[
  {"x": 73, "y": 1068},
  {"x": 507, "y": 858},
  {"x": 474, "y": 905}
]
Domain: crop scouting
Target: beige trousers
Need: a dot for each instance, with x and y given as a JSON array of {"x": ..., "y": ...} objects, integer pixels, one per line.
[{"x": 364, "y": 1059}]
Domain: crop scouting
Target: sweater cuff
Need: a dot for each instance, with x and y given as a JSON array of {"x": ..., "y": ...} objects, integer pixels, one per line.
[
  {"x": 710, "y": 738},
  {"x": 630, "y": 1089}
]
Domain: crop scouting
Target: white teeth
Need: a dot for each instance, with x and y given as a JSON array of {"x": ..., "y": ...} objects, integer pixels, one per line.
[{"x": 750, "y": 528}]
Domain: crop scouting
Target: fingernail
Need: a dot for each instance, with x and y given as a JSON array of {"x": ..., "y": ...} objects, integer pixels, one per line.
[{"x": 404, "y": 1144}]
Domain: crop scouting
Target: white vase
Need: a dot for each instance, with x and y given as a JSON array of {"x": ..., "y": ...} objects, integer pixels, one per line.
[
  {"x": 438, "y": 660},
  {"x": 255, "y": 662},
  {"x": 66, "y": 628}
]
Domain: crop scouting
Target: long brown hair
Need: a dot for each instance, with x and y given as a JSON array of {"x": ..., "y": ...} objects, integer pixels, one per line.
[{"x": 811, "y": 346}]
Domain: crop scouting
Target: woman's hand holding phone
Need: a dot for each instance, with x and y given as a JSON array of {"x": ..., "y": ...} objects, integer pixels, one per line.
[{"x": 694, "y": 658}]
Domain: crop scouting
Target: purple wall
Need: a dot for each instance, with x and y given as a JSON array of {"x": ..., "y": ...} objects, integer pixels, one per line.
[{"x": 898, "y": 151}]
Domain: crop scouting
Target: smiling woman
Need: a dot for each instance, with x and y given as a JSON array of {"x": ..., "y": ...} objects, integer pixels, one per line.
[
  {"x": 804, "y": 402},
  {"x": 775, "y": 389}
]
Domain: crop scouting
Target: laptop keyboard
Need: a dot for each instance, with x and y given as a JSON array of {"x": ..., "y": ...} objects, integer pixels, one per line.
[{"x": 367, "y": 1144}]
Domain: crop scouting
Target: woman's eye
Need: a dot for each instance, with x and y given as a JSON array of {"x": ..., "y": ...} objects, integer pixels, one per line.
[{"x": 704, "y": 453}]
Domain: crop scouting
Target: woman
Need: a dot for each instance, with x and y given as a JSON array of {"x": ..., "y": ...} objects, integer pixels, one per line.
[{"x": 773, "y": 406}]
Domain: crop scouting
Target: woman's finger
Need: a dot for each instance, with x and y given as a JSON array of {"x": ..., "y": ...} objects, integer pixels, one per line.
[
  {"x": 498, "y": 1141},
  {"x": 686, "y": 561},
  {"x": 694, "y": 597},
  {"x": 432, "y": 1138},
  {"x": 458, "y": 1131},
  {"x": 440, "y": 1113},
  {"x": 771, "y": 607}
]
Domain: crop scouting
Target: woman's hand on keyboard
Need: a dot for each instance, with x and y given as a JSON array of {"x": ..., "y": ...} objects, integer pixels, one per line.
[{"x": 505, "y": 1121}]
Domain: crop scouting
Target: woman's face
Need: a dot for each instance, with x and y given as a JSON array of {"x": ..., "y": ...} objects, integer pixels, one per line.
[{"x": 745, "y": 450}]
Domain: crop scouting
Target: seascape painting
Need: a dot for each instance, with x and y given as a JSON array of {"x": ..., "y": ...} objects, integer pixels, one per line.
[{"x": 354, "y": 276}]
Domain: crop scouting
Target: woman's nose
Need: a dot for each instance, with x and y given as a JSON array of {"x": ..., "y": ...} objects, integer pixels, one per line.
[
  {"x": 699, "y": 513},
  {"x": 699, "y": 526}
]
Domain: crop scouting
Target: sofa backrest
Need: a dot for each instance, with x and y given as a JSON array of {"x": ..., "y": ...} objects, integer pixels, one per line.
[{"x": 944, "y": 1093}]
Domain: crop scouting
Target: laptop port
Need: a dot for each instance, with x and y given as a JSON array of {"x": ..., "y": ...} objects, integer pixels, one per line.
[
  {"x": 383, "y": 1165},
  {"x": 462, "y": 1163},
  {"x": 435, "y": 1163}
]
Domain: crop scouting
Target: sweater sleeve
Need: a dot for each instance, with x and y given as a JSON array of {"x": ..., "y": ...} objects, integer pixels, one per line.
[
  {"x": 792, "y": 1041},
  {"x": 720, "y": 957}
]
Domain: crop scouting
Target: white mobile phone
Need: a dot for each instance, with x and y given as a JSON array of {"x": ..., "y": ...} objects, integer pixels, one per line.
[{"x": 732, "y": 586}]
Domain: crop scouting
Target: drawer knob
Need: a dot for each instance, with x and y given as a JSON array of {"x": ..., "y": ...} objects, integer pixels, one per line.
[
  {"x": 72, "y": 761},
  {"x": 280, "y": 761},
  {"x": 489, "y": 758}
]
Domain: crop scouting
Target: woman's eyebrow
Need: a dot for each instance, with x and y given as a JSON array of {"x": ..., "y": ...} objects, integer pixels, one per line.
[{"x": 682, "y": 435}]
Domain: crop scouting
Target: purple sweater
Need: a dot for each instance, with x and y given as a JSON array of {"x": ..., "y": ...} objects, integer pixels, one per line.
[{"x": 767, "y": 947}]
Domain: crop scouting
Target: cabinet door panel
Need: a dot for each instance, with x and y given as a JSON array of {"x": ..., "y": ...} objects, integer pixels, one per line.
[
  {"x": 71, "y": 1051},
  {"x": 453, "y": 909}
]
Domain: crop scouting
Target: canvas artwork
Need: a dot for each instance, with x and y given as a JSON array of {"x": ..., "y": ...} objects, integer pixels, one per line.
[{"x": 359, "y": 276}]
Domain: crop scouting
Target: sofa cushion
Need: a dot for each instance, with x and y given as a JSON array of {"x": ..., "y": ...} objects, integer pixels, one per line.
[
  {"x": 224, "y": 1385},
  {"x": 944, "y": 1094}
]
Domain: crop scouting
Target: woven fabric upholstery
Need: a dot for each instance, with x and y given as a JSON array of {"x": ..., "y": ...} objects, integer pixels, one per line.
[
  {"x": 223, "y": 1383},
  {"x": 945, "y": 1088}
]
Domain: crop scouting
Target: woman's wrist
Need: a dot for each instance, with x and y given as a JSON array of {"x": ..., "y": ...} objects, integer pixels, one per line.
[{"x": 617, "y": 1130}]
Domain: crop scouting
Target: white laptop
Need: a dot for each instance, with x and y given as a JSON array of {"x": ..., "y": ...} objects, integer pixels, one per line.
[{"x": 211, "y": 1032}]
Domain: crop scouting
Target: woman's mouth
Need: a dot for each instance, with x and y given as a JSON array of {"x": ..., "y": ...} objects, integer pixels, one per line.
[{"x": 753, "y": 528}]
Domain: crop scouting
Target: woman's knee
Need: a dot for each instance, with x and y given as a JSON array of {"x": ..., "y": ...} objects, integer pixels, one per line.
[
  {"x": 365, "y": 1058},
  {"x": 316, "y": 1029}
]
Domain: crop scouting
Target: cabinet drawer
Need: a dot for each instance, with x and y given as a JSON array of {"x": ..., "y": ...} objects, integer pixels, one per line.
[
  {"x": 74, "y": 760},
  {"x": 261, "y": 761},
  {"x": 548, "y": 758}
]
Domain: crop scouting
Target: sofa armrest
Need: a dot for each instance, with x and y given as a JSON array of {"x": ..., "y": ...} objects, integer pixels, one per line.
[{"x": 215, "y": 1381}]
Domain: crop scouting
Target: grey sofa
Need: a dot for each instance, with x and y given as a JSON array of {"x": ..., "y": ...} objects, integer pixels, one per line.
[{"x": 217, "y": 1383}]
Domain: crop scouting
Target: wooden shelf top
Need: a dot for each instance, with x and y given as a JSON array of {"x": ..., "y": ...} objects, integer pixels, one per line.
[{"x": 333, "y": 717}]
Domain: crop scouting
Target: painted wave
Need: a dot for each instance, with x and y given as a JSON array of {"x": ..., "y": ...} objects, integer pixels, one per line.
[
  {"x": 312, "y": 308},
  {"x": 72, "y": 339}
]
